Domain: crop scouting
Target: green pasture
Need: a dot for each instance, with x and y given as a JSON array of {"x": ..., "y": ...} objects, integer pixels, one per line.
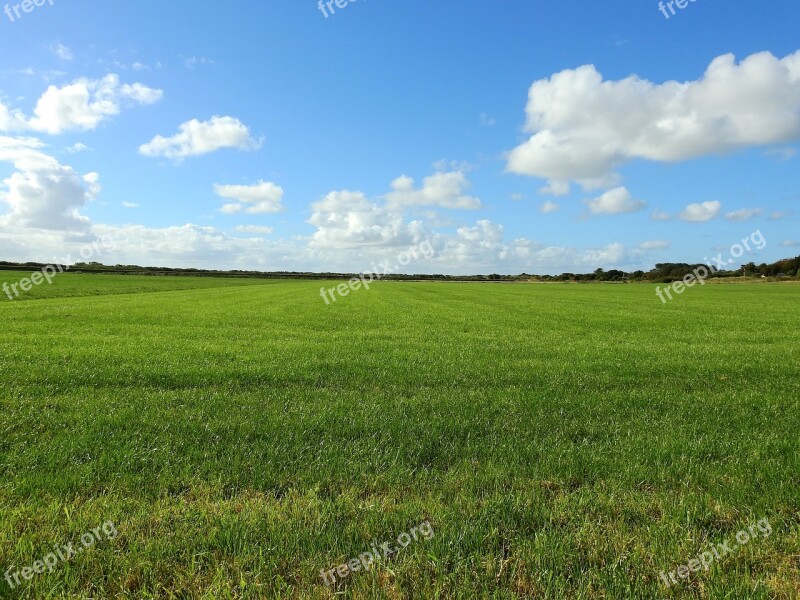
[{"x": 563, "y": 441}]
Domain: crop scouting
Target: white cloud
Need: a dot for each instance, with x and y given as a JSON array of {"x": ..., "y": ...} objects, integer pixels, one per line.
[
  {"x": 441, "y": 189},
  {"x": 482, "y": 249},
  {"x": 615, "y": 202},
  {"x": 472, "y": 249},
  {"x": 92, "y": 181},
  {"x": 613, "y": 255},
  {"x": 254, "y": 229},
  {"x": 62, "y": 52},
  {"x": 129, "y": 204},
  {"x": 583, "y": 127},
  {"x": 262, "y": 197},
  {"x": 232, "y": 208},
  {"x": 11, "y": 120},
  {"x": 140, "y": 93},
  {"x": 346, "y": 219},
  {"x": 82, "y": 105},
  {"x": 548, "y": 207},
  {"x": 745, "y": 214},
  {"x": 201, "y": 137},
  {"x": 660, "y": 215},
  {"x": 655, "y": 245},
  {"x": 555, "y": 188},
  {"x": 536, "y": 258},
  {"x": 190, "y": 246},
  {"x": 193, "y": 61},
  {"x": 700, "y": 213},
  {"x": 75, "y": 148},
  {"x": 789, "y": 244},
  {"x": 475, "y": 248},
  {"x": 484, "y": 232},
  {"x": 42, "y": 193}
]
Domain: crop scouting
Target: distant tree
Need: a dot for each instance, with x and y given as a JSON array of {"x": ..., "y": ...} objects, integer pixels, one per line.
[{"x": 615, "y": 275}]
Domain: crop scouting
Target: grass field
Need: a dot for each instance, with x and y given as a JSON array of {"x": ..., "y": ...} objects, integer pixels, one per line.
[{"x": 563, "y": 441}]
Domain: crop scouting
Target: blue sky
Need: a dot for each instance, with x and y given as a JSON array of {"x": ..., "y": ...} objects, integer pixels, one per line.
[{"x": 269, "y": 136}]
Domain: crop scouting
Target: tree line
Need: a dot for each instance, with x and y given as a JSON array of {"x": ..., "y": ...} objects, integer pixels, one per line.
[{"x": 662, "y": 273}]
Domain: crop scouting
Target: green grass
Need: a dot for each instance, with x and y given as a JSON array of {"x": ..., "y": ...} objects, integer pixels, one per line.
[
  {"x": 67, "y": 285},
  {"x": 563, "y": 441}
]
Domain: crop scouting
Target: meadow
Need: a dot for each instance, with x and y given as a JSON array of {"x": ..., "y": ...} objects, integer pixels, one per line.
[{"x": 562, "y": 441}]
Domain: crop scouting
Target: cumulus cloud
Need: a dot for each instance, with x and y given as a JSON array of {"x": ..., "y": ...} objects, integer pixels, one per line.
[
  {"x": 140, "y": 93},
  {"x": 231, "y": 208},
  {"x": 615, "y": 202},
  {"x": 548, "y": 207},
  {"x": 186, "y": 245},
  {"x": 441, "y": 189},
  {"x": 254, "y": 229},
  {"x": 700, "y": 213},
  {"x": 660, "y": 215},
  {"x": 583, "y": 127},
  {"x": 555, "y": 188},
  {"x": 81, "y": 105},
  {"x": 201, "y": 137},
  {"x": 43, "y": 193},
  {"x": 346, "y": 219},
  {"x": 745, "y": 214},
  {"x": 11, "y": 120},
  {"x": 190, "y": 245},
  {"x": 485, "y": 232},
  {"x": 75, "y": 148},
  {"x": 482, "y": 249},
  {"x": 474, "y": 248},
  {"x": 262, "y": 197},
  {"x": 533, "y": 257}
]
